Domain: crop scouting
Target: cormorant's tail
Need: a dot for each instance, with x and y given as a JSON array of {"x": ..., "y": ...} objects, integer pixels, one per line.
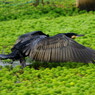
[
  {"x": 3, "y": 56},
  {"x": 12, "y": 55},
  {"x": 15, "y": 55}
]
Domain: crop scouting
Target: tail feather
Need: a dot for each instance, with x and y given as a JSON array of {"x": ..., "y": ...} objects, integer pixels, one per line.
[
  {"x": 9, "y": 56},
  {"x": 14, "y": 55}
]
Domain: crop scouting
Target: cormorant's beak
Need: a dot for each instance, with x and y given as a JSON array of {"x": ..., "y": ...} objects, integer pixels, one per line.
[
  {"x": 74, "y": 36},
  {"x": 79, "y": 35}
]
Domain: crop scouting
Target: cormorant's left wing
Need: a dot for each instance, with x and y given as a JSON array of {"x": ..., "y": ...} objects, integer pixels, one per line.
[
  {"x": 29, "y": 35},
  {"x": 26, "y": 37}
]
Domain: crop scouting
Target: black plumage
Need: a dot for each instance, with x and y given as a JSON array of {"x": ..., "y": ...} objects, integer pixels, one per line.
[{"x": 59, "y": 48}]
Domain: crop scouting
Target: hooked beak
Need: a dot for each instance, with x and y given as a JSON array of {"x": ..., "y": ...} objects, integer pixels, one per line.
[
  {"x": 73, "y": 37},
  {"x": 79, "y": 35}
]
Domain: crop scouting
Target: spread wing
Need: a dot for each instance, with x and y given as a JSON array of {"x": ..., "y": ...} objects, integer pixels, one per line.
[
  {"x": 28, "y": 36},
  {"x": 59, "y": 48},
  {"x": 25, "y": 38}
]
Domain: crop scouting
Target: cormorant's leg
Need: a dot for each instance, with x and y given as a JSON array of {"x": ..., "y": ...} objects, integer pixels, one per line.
[
  {"x": 22, "y": 62},
  {"x": 11, "y": 62},
  {"x": 93, "y": 61},
  {"x": 11, "y": 67}
]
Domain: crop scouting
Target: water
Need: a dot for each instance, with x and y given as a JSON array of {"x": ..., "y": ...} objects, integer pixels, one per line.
[{"x": 15, "y": 63}]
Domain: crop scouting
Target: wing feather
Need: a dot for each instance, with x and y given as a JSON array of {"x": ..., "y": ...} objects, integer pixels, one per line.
[{"x": 60, "y": 48}]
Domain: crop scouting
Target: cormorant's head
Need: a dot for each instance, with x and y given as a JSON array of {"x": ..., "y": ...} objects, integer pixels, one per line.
[{"x": 72, "y": 35}]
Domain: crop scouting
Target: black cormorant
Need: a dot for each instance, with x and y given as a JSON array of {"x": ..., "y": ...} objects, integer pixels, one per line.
[{"x": 41, "y": 47}]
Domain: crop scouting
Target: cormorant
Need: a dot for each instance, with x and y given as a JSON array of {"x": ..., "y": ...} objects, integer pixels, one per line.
[{"x": 42, "y": 47}]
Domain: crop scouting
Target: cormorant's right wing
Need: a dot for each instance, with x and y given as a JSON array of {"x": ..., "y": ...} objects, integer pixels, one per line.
[{"x": 59, "y": 48}]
